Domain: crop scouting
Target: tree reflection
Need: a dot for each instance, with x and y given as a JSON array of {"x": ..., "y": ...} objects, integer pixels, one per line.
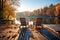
[
  {"x": 47, "y": 20},
  {"x": 56, "y": 20}
]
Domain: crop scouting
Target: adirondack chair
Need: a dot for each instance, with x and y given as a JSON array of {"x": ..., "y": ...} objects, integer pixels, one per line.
[
  {"x": 23, "y": 22},
  {"x": 39, "y": 23}
]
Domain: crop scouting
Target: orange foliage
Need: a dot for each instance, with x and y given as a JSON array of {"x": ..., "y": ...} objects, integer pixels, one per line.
[
  {"x": 35, "y": 13},
  {"x": 56, "y": 20},
  {"x": 48, "y": 12},
  {"x": 56, "y": 12}
]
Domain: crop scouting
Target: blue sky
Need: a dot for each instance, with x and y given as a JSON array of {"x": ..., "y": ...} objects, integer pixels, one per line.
[{"x": 30, "y": 5}]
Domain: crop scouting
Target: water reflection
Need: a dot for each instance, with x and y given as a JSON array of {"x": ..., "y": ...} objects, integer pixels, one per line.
[
  {"x": 54, "y": 20},
  {"x": 47, "y": 20}
]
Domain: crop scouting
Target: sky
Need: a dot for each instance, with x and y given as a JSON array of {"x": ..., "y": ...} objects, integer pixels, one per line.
[{"x": 30, "y": 5}]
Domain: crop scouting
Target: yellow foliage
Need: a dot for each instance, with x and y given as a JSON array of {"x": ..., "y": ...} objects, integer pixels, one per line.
[{"x": 8, "y": 11}]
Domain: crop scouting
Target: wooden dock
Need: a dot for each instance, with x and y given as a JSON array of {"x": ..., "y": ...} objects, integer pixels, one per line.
[{"x": 11, "y": 32}]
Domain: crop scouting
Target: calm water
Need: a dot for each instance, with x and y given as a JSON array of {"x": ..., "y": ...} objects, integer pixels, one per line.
[{"x": 54, "y": 26}]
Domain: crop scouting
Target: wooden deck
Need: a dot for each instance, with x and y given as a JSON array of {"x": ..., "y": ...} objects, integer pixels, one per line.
[{"x": 11, "y": 32}]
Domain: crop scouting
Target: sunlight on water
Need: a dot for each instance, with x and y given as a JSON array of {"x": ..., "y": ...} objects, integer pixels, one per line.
[{"x": 31, "y": 23}]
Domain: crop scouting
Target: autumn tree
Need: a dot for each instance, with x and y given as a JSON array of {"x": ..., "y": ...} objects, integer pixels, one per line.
[
  {"x": 52, "y": 8},
  {"x": 35, "y": 13},
  {"x": 45, "y": 9},
  {"x": 57, "y": 9},
  {"x": 48, "y": 12},
  {"x": 8, "y": 11}
]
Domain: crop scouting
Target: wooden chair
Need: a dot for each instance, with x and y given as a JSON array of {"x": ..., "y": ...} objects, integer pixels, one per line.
[
  {"x": 23, "y": 22},
  {"x": 39, "y": 23}
]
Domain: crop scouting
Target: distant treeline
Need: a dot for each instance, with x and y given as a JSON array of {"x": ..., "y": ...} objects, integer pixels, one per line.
[{"x": 49, "y": 14}]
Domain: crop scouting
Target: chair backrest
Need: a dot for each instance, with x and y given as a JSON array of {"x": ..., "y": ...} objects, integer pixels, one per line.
[
  {"x": 23, "y": 21},
  {"x": 38, "y": 21}
]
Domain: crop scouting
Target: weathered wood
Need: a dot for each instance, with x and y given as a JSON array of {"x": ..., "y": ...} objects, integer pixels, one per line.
[
  {"x": 38, "y": 21},
  {"x": 23, "y": 22}
]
